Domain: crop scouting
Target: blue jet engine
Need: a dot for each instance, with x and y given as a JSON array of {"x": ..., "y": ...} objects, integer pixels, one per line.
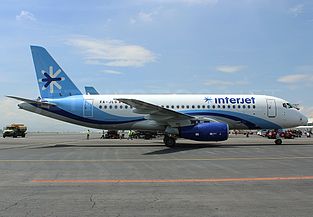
[{"x": 213, "y": 131}]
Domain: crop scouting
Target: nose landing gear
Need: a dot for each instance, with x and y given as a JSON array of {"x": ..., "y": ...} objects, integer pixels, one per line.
[{"x": 278, "y": 141}]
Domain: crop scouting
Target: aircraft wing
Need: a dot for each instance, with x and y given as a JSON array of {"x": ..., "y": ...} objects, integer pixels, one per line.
[{"x": 157, "y": 113}]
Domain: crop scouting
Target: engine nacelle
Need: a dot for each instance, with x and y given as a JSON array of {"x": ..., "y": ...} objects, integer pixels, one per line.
[{"x": 214, "y": 131}]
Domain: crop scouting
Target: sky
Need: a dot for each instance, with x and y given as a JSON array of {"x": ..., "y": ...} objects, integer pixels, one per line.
[{"x": 158, "y": 46}]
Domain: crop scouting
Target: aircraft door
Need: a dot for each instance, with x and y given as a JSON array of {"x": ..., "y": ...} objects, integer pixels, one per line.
[
  {"x": 88, "y": 108},
  {"x": 271, "y": 108}
]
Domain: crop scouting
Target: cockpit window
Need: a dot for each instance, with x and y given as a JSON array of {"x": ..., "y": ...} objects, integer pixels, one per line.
[{"x": 288, "y": 106}]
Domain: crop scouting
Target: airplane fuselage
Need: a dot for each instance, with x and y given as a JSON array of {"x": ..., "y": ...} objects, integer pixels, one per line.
[{"x": 238, "y": 111}]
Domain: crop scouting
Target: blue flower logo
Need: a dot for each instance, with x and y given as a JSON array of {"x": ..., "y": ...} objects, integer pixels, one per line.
[{"x": 51, "y": 79}]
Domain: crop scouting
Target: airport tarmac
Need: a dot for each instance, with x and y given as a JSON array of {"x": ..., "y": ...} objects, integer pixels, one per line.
[{"x": 67, "y": 175}]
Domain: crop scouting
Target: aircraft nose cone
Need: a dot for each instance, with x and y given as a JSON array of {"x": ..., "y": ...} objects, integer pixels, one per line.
[{"x": 303, "y": 120}]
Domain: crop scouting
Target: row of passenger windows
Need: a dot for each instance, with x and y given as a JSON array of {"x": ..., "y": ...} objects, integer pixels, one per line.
[
  {"x": 183, "y": 106},
  {"x": 115, "y": 107},
  {"x": 209, "y": 106}
]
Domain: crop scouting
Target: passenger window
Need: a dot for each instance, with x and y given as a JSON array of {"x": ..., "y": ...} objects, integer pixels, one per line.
[
  {"x": 121, "y": 107},
  {"x": 110, "y": 107},
  {"x": 100, "y": 107},
  {"x": 105, "y": 107},
  {"x": 234, "y": 107},
  {"x": 218, "y": 106},
  {"x": 182, "y": 106},
  {"x": 177, "y": 106},
  {"x": 253, "y": 106},
  {"x": 187, "y": 106},
  {"x": 239, "y": 106},
  {"x": 167, "y": 106},
  {"x": 208, "y": 106},
  {"x": 172, "y": 107},
  {"x": 126, "y": 107},
  {"x": 193, "y": 106},
  {"x": 203, "y": 106},
  {"x": 243, "y": 106},
  {"x": 198, "y": 106},
  {"x": 223, "y": 106},
  {"x": 248, "y": 106},
  {"x": 213, "y": 106},
  {"x": 228, "y": 106}
]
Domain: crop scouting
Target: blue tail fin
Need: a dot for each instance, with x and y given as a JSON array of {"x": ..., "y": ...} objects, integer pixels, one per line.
[{"x": 52, "y": 80}]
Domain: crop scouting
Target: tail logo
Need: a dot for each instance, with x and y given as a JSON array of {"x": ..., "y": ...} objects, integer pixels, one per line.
[{"x": 51, "y": 79}]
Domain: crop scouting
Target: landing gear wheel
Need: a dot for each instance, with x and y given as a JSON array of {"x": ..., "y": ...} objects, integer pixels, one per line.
[
  {"x": 169, "y": 141},
  {"x": 278, "y": 141}
]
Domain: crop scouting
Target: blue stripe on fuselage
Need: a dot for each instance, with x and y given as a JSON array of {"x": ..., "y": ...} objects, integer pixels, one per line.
[
  {"x": 250, "y": 121},
  {"x": 61, "y": 112}
]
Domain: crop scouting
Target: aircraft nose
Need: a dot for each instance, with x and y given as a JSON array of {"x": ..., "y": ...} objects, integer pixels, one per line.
[{"x": 303, "y": 120}]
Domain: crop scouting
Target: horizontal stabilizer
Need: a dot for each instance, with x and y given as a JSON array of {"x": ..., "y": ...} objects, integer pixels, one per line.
[{"x": 31, "y": 101}]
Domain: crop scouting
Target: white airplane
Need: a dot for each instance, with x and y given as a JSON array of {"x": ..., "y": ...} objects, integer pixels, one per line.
[{"x": 200, "y": 117}]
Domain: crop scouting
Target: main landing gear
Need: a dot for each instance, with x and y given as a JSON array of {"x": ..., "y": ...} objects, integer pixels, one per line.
[{"x": 169, "y": 140}]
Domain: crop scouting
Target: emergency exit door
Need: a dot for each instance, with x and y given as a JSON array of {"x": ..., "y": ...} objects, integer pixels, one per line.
[
  {"x": 271, "y": 108},
  {"x": 88, "y": 108}
]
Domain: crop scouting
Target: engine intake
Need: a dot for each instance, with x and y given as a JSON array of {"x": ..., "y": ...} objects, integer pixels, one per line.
[{"x": 214, "y": 131}]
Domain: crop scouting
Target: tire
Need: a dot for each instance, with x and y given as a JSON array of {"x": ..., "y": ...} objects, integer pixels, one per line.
[
  {"x": 278, "y": 141},
  {"x": 169, "y": 141}
]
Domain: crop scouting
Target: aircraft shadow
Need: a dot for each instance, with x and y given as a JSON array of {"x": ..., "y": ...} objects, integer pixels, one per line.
[
  {"x": 179, "y": 147},
  {"x": 100, "y": 146},
  {"x": 190, "y": 146}
]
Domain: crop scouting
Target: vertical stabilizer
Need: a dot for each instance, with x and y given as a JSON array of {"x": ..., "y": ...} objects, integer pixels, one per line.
[{"x": 52, "y": 80}]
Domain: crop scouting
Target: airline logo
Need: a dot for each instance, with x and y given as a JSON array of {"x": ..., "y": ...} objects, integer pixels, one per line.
[
  {"x": 51, "y": 79},
  {"x": 230, "y": 100}
]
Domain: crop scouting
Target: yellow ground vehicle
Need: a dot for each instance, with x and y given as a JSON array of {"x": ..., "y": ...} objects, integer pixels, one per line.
[{"x": 14, "y": 130}]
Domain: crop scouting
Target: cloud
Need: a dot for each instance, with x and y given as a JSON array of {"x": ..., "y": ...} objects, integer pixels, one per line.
[
  {"x": 25, "y": 15},
  {"x": 112, "y": 52},
  {"x": 224, "y": 83},
  {"x": 112, "y": 72},
  {"x": 190, "y": 2},
  {"x": 229, "y": 68},
  {"x": 296, "y": 10},
  {"x": 144, "y": 17},
  {"x": 206, "y": 2},
  {"x": 296, "y": 78}
]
